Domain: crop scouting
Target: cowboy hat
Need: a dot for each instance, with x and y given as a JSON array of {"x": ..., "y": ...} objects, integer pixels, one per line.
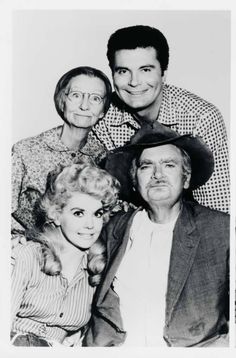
[{"x": 118, "y": 161}]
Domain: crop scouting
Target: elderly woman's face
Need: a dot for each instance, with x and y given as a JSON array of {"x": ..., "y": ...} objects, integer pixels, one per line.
[{"x": 84, "y": 101}]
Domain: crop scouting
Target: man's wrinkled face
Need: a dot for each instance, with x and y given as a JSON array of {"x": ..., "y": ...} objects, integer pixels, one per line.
[{"x": 160, "y": 175}]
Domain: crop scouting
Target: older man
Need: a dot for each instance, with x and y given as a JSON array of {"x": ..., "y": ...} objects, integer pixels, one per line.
[
  {"x": 138, "y": 57},
  {"x": 166, "y": 281}
]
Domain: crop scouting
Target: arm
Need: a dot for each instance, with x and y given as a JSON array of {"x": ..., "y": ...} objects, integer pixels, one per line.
[
  {"x": 21, "y": 274},
  {"x": 18, "y": 173},
  {"x": 216, "y": 192}
]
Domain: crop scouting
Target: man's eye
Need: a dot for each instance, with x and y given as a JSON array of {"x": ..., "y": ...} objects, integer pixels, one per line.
[
  {"x": 144, "y": 166},
  {"x": 78, "y": 213},
  {"x": 122, "y": 71},
  {"x": 170, "y": 165},
  {"x": 147, "y": 69}
]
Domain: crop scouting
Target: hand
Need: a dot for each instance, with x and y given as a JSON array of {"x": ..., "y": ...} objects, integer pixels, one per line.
[
  {"x": 17, "y": 239},
  {"x": 73, "y": 340},
  {"x": 16, "y": 242},
  {"x": 124, "y": 206}
]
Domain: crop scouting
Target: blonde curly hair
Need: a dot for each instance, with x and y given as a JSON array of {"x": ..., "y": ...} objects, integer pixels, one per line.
[{"x": 61, "y": 184}]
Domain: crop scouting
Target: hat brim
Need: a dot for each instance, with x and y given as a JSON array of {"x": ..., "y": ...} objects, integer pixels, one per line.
[{"x": 119, "y": 161}]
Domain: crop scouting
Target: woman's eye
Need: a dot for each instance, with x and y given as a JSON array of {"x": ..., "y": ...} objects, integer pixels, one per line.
[
  {"x": 96, "y": 99},
  {"x": 76, "y": 95},
  {"x": 78, "y": 213},
  {"x": 99, "y": 214}
]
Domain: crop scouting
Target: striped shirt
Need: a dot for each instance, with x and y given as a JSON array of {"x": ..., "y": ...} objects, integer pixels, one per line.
[
  {"x": 45, "y": 305},
  {"x": 185, "y": 113}
]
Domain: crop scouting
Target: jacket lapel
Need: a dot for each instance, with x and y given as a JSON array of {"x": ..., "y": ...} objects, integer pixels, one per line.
[
  {"x": 184, "y": 247},
  {"x": 116, "y": 238}
]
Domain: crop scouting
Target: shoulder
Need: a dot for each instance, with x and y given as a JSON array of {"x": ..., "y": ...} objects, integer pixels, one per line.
[
  {"x": 117, "y": 108},
  {"x": 28, "y": 253},
  {"x": 201, "y": 210},
  {"x": 212, "y": 223},
  {"x": 120, "y": 221},
  {"x": 187, "y": 100},
  {"x": 30, "y": 142}
]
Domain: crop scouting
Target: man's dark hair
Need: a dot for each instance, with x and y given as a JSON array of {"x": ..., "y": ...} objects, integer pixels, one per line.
[{"x": 130, "y": 38}]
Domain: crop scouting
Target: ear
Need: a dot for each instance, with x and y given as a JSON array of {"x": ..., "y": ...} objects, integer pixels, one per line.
[
  {"x": 61, "y": 102},
  {"x": 54, "y": 216},
  {"x": 164, "y": 76},
  {"x": 57, "y": 222},
  {"x": 187, "y": 179}
]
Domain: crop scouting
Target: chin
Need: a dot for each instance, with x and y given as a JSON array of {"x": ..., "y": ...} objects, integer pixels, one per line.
[{"x": 137, "y": 105}]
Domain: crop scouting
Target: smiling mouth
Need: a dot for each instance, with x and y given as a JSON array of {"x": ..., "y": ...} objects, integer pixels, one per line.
[
  {"x": 86, "y": 235},
  {"x": 137, "y": 93},
  {"x": 82, "y": 115}
]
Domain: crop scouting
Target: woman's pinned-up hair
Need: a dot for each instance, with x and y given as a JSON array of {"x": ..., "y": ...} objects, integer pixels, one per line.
[
  {"x": 61, "y": 184},
  {"x": 84, "y": 178}
]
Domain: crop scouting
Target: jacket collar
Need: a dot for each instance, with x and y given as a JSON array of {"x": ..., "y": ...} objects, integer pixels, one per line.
[
  {"x": 184, "y": 247},
  {"x": 114, "y": 242}
]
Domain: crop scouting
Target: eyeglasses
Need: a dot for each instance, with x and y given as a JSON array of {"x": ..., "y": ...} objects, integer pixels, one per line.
[{"x": 76, "y": 97}]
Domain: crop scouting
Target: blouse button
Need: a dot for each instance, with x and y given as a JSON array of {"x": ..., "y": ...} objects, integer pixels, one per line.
[
  {"x": 61, "y": 314},
  {"x": 73, "y": 155}
]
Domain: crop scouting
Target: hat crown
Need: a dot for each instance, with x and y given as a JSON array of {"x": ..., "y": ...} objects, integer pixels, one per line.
[{"x": 154, "y": 132}]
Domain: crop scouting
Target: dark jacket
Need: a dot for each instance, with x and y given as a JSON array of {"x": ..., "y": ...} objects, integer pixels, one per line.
[{"x": 197, "y": 297}]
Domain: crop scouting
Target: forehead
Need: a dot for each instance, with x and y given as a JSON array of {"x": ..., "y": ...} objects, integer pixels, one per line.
[
  {"x": 88, "y": 84},
  {"x": 167, "y": 151},
  {"x": 139, "y": 57},
  {"x": 83, "y": 201}
]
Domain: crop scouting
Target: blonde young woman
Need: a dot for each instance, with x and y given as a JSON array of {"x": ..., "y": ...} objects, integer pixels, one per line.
[{"x": 56, "y": 273}]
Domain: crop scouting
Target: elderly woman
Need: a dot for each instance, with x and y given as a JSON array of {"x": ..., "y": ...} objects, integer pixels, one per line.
[
  {"x": 81, "y": 98},
  {"x": 56, "y": 272}
]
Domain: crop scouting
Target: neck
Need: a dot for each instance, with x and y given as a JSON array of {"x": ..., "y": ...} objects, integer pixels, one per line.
[
  {"x": 66, "y": 250},
  {"x": 74, "y": 138},
  {"x": 163, "y": 214}
]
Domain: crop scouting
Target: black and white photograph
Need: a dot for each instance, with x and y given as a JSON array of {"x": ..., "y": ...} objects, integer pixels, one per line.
[{"x": 121, "y": 178}]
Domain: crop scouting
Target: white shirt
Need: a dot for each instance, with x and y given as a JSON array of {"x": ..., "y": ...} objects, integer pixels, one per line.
[{"x": 141, "y": 281}]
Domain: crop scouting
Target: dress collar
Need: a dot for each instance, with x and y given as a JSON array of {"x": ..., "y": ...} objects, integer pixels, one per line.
[{"x": 53, "y": 140}]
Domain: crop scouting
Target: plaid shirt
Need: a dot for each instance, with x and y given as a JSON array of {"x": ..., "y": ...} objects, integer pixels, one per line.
[{"x": 185, "y": 113}]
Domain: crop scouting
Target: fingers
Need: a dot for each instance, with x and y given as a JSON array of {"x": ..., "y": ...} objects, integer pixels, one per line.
[
  {"x": 74, "y": 340},
  {"x": 18, "y": 240}
]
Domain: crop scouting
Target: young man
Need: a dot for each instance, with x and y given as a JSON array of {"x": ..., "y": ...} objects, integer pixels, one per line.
[
  {"x": 138, "y": 57},
  {"x": 166, "y": 279}
]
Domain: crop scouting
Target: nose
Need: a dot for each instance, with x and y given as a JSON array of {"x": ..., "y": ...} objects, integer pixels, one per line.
[
  {"x": 84, "y": 105},
  {"x": 157, "y": 172},
  {"x": 134, "y": 79},
  {"x": 89, "y": 223}
]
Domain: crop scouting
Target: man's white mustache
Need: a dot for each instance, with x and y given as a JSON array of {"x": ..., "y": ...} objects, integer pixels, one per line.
[{"x": 157, "y": 182}]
